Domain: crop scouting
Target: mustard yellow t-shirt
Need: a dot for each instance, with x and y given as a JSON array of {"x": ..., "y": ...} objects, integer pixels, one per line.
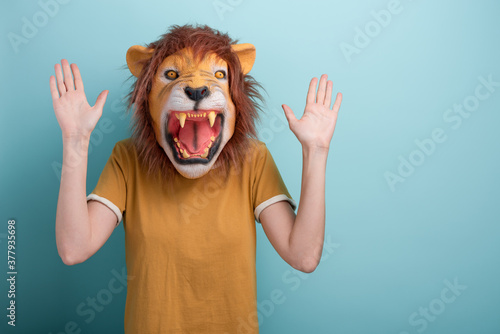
[{"x": 190, "y": 248}]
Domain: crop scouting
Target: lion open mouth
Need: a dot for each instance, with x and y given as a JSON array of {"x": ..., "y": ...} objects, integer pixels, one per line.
[{"x": 194, "y": 135}]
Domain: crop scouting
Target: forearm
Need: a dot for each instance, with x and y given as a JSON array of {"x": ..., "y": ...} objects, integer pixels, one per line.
[
  {"x": 308, "y": 231},
  {"x": 73, "y": 232}
]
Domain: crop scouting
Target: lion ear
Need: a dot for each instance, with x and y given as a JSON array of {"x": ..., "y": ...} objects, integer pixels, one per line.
[
  {"x": 136, "y": 57},
  {"x": 246, "y": 54}
]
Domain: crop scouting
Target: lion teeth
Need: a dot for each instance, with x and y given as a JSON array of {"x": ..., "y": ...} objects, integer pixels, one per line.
[
  {"x": 212, "y": 138},
  {"x": 185, "y": 154},
  {"x": 211, "y": 118},
  {"x": 182, "y": 119}
]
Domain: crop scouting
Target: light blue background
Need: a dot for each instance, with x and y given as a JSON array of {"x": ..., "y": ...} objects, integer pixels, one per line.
[{"x": 392, "y": 250}]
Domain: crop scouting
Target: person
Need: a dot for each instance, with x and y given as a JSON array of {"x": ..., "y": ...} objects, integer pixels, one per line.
[{"x": 190, "y": 241}]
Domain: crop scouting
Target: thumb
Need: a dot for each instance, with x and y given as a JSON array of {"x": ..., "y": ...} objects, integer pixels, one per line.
[
  {"x": 101, "y": 99},
  {"x": 290, "y": 116}
]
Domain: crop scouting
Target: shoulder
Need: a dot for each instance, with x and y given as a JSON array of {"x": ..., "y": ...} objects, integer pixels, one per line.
[
  {"x": 124, "y": 153},
  {"x": 259, "y": 154},
  {"x": 257, "y": 148},
  {"x": 124, "y": 147},
  {"x": 125, "y": 144}
]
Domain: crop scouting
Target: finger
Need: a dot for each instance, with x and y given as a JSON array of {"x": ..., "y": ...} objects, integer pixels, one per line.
[
  {"x": 101, "y": 99},
  {"x": 328, "y": 94},
  {"x": 68, "y": 78},
  {"x": 78, "y": 77},
  {"x": 320, "y": 98},
  {"x": 53, "y": 88},
  {"x": 338, "y": 101},
  {"x": 290, "y": 116},
  {"x": 60, "y": 82},
  {"x": 311, "y": 94}
]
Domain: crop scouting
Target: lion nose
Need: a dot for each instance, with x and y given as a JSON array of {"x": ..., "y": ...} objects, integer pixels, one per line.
[{"x": 196, "y": 94}]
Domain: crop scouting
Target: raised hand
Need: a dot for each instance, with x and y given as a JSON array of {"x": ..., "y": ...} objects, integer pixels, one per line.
[
  {"x": 74, "y": 114},
  {"x": 315, "y": 128}
]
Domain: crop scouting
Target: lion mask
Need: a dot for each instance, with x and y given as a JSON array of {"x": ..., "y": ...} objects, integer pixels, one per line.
[{"x": 190, "y": 97}]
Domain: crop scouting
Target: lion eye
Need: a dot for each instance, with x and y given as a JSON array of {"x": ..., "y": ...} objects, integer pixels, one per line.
[
  {"x": 171, "y": 74},
  {"x": 220, "y": 74}
]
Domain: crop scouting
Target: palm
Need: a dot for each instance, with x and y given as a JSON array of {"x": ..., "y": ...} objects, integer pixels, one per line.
[
  {"x": 73, "y": 112},
  {"x": 315, "y": 127}
]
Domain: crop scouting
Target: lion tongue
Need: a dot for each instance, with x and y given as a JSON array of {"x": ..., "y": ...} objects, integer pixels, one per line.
[{"x": 195, "y": 136}]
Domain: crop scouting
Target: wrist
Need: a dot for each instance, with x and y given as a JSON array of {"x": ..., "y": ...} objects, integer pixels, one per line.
[
  {"x": 314, "y": 156},
  {"x": 77, "y": 137},
  {"x": 76, "y": 144},
  {"x": 75, "y": 151},
  {"x": 315, "y": 150}
]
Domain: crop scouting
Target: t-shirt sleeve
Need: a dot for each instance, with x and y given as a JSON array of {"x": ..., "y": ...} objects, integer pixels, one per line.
[
  {"x": 111, "y": 188},
  {"x": 268, "y": 187}
]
